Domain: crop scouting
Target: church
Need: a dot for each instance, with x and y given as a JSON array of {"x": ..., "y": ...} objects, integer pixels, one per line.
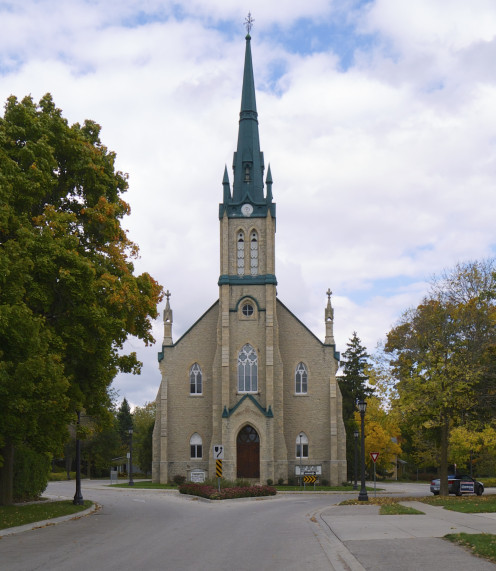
[{"x": 249, "y": 378}]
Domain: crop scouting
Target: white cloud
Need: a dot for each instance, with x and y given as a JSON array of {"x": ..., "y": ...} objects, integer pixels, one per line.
[{"x": 383, "y": 173}]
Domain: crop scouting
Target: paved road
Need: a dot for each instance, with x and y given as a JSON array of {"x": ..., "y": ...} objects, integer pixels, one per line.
[
  {"x": 154, "y": 530},
  {"x": 157, "y": 530}
]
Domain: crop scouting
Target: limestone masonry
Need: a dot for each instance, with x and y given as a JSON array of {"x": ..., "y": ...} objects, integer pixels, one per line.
[{"x": 249, "y": 375}]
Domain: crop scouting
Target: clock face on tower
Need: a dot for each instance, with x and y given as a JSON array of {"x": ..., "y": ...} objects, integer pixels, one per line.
[{"x": 246, "y": 209}]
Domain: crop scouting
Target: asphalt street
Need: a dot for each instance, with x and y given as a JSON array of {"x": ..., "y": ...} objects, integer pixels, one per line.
[{"x": 159, "y": 530}]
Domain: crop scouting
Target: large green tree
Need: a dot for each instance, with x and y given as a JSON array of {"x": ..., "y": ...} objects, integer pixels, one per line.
[
  {"x": 443, "y": 356},
  {"x": 144, "y": 421},
  {"x": 68, "y": 294}
]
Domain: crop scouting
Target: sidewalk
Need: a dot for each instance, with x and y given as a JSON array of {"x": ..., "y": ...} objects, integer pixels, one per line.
[{"x": 359, "y": 538}]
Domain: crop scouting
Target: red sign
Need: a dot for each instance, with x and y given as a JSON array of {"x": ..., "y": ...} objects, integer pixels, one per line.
[{"x": 374, "y": 456}]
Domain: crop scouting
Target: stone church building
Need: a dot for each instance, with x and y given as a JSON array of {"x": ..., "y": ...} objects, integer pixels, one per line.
[{"x": 249, "y": 375}]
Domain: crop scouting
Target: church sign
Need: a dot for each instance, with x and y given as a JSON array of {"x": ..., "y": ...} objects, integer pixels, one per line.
[
  {"x": 314, "y": 469},
  {"x": 197, "y": 476}
]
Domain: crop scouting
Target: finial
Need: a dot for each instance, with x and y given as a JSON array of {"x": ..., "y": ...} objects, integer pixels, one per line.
[
  {"x": 167, "y": 295},
  {"x": 248, "y": 23},
  {"x": 329, "y": 293}
]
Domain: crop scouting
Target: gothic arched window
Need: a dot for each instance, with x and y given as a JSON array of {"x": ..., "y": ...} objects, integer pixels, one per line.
[
  {"x": 241, "y": 253},
  {"x": 195, "y": 380},
  {"x": 196, "y": 446},
  {"x": 247, "y": 370},
  {"x": 254, "y": 253},
  {"x": 301, "y": 379}
]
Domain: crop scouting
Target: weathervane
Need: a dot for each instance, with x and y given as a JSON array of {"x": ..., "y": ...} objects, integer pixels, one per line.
[{"x": 249, "y": 23}]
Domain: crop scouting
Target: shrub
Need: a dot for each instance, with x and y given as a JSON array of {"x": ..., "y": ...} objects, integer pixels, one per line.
[
  {"x": 280, "y": 482},
  {"x": 178, "y": 479},
  {"x": 211, "y": 493},
  {"x": 31, "y": 472},
  {"x": 269, "y": 481}
]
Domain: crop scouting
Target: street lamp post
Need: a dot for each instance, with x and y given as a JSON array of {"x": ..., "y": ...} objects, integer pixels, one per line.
[
  {"x": 78, "y": 496},
  {"x": 131, "y": 483},
  {"x": 362, "y": 406},
  {"x": 355, "y": 434}
]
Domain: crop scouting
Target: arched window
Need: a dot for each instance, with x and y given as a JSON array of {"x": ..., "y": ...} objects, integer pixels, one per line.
[
  {"x": 302, "y": 445},
  {"x": 195, "y": 446},
  {"x": 301, "y": 379},
  {"x": 247, "y": 370},
  {"x": 195, "y": 380},
  {"x": 254, "y": 253},
  {"x": 241, "y": 253}
]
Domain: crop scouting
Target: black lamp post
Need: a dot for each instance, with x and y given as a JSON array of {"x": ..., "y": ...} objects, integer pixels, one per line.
[
  {"x": 362, "y": 406},
  {"x": 78, "y": 496},
  {"x": 355, "y": 434},
  {"x": 131, "y": 483}
]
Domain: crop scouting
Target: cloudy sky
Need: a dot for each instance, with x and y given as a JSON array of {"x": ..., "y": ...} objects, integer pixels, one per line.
[{"x": 378, "y": 118}]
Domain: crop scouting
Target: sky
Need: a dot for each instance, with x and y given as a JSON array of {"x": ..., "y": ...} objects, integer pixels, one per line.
[{"x": 378, "y": 119}]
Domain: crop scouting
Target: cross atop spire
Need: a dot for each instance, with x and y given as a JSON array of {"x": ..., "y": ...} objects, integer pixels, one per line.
[{"x": 248, "y": 23}]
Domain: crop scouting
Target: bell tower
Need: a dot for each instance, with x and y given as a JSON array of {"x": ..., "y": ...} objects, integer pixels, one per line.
[{"x": 247, "y": 284}]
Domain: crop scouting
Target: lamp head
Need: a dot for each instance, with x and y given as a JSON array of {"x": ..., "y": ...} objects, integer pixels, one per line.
[{"x": 362, "y": 405}]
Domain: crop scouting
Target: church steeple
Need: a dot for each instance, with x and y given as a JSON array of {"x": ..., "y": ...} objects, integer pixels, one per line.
[{"x": 248, "y": 160}]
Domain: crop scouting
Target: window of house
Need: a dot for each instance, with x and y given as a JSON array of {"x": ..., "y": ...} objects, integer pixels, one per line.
[
  {"x": 247, "y": 370},
  {"x": 195, "y": 380},
  {"x": 254, "y": 253},
  {"x": 302, "y": 445},
  {"x": 301, "y": 379},
  {"x": 195, "y": 446},
  {"x": 241, "y": 253}
]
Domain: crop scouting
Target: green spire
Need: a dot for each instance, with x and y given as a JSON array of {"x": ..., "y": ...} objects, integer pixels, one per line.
[{"x": 248, "y": 162}]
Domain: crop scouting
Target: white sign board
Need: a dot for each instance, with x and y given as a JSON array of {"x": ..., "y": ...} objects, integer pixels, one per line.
[
  {"x": 315, "y": 469},
  {"x": 197, "y": 476},
  {"x": 218, "y": 452}
]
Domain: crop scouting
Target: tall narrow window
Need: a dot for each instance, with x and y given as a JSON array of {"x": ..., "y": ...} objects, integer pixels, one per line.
[
  {"x": 254, "y": 253},
  {"x": 247, "y": 370},
  {"x": 301, "y": 379},
  {"x": 195, "y": 380},
  {"x": 195, "y": 446},
  {"x": 241, "y": 253},
  {"x": 302, "y": 445}
]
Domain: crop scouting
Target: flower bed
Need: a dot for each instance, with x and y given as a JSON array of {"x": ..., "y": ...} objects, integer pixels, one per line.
[{"x": 206, "y": 491}]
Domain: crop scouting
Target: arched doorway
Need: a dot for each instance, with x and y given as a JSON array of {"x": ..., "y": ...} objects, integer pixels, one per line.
[{"x": 248, "y": 453}]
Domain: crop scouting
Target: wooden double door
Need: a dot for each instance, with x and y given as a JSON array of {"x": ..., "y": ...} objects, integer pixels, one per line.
[{"x": 248, "y": 453}]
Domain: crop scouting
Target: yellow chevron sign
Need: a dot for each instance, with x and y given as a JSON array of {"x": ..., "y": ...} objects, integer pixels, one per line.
[
  {"x": 218, "y": 468},
  {"x": 309, "y": 479}
]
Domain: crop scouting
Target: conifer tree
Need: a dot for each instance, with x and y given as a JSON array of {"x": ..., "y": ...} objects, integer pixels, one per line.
[{"x": 353, "y": 388}]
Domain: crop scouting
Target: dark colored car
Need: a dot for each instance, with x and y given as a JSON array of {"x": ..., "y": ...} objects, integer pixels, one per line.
[{"x": 458, "y": 485}]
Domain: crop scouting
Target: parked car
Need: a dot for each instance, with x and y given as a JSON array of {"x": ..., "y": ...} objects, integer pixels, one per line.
[{"x": 458, "y": 485}]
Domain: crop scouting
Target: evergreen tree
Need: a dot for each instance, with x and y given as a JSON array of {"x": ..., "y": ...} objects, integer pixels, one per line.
[
  {"x": 353, "y": 388},
  {"x": 124, "y": 421}
]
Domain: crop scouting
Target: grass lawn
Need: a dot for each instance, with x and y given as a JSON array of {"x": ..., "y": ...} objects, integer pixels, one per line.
[
  {"x": 464, "y": 504},
  {"x": 12, "y": 516},
  {"x": 147, "y": 485},
  {"x": 480, "y": 544}
]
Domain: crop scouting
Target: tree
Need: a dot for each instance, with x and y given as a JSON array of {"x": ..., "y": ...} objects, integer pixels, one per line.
[
  {"x": 124, "y": 422},
  {"x": 443, "y": 355},
  {"x": 353, "y": 385},
  {"x": 68, "y": 294},
  {"x": 144, "y": 421}
]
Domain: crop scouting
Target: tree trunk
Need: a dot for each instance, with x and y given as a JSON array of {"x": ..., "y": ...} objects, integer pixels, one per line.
[
  {"x": 7, "y": 475},
  {"x": 443, "y": 468}
]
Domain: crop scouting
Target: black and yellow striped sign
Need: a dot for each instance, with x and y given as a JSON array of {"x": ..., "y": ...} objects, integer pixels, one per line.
[
  {"x": 309, "y": 479},
  {"x": 218, "y": 468}
]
